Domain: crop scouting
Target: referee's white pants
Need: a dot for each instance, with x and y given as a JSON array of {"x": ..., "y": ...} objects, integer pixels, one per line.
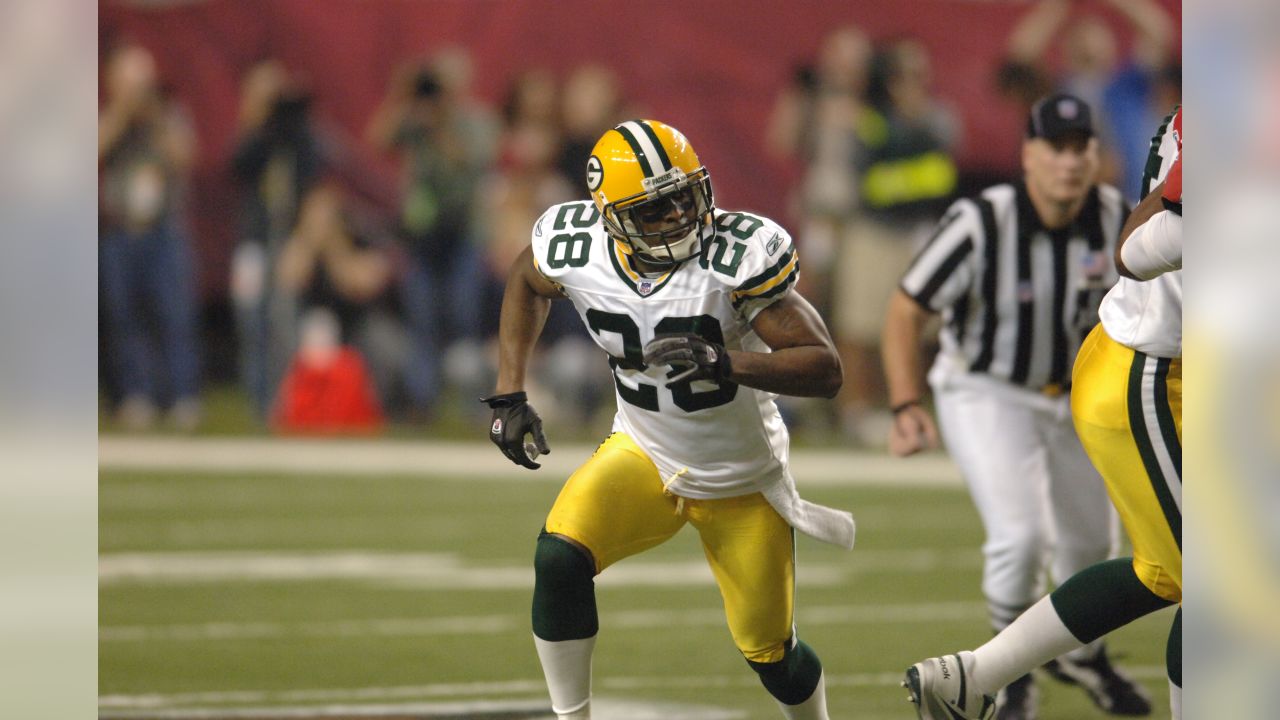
[{"x": 1042, "y": 504}]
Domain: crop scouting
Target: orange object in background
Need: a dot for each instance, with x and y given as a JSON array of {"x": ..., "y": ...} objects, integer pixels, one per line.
[{"x": 327, "y": 390}]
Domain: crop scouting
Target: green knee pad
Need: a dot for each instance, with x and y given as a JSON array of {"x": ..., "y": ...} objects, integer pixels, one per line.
[
  {"x": 1102, "y": 598},
  {"x": 564, "y": 593},
  {"x": 792, "y": 679}
]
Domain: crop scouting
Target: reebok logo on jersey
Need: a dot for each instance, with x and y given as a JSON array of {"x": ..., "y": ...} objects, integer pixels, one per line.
[
  {"x": 773, "y": 245},
  {"x": 942, "y": 665}
]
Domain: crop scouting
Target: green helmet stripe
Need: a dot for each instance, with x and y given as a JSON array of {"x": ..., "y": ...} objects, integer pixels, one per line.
[
  {"x": 662, "y": 158},
  {"x": 648, "y": 163}
]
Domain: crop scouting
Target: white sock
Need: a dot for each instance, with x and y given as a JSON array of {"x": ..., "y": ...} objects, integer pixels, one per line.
[
  {"x": 1175, "y": 701},
  {"x": 1085, "y": 653},
  {"x": 567, "y": 667},
  {"x": 815, "y": 708},
  {"x": 1036, "y": 637}
]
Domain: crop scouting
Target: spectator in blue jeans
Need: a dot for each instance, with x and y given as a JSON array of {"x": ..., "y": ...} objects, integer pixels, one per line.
[
  {"x": 145, "y": 265},
  {"x": 446, "y": 143},
  {"x": 277, "y": 158}
]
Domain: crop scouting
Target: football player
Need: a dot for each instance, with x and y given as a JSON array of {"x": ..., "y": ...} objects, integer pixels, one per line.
[
  {"x": 1127, "y": 409},
  {"x": 696, "y": 310}
]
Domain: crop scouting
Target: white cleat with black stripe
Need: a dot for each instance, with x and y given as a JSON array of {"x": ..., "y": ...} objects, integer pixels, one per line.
[{"x": 941, "y": 689}]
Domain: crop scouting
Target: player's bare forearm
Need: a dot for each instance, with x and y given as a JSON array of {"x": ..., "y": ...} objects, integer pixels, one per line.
[
  {"x": 900, "y": 349},
  {"x": 804, "y": 361},
  {"x": 1145, "y": 210},
  {"x": 525, "y": 305},
  {"x": 811, "y": 371}
]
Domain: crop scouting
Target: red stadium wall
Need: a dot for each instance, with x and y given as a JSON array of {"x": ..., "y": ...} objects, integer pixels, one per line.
[{"x": 710, "y": 67}]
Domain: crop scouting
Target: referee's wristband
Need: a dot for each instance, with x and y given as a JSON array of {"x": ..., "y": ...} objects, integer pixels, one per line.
[{"x": 897, "y": 409}]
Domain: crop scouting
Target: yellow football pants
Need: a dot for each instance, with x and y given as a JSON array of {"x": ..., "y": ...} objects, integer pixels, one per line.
[
  {"x": 615, "y": 506},
  {"x": 1127, "y": 409}
]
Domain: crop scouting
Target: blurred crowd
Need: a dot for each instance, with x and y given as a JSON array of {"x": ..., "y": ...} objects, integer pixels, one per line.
[{"x": 357, "y": 304}]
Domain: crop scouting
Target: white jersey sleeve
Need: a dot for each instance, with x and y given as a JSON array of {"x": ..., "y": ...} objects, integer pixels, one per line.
[
  {"x": 564, "y": 239},
  {"x": 1154, "y": 247},
  {"x": 1146, "y": 315},
  {"x": 757, "y": 255}
]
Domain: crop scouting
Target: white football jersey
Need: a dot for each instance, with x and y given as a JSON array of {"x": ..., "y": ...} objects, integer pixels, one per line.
[
  {"x": 1146, "y": 315},
  {"x": 708, "y": 439}
]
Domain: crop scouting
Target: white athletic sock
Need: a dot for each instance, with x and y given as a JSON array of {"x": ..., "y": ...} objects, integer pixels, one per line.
[
  {"x": 815, "y": 708},
  {"x": 567, "y": 667},
  {"x": 1036, "y": 637},
  {"x": 1085, "y": 653},
  {"x": 1175, "y": 701}
]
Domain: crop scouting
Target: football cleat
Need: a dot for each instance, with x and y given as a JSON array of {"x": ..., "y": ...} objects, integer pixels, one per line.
[
  {"x": 941, "y": 689},
  {"x": 1110, "y": 690},
  {"x": 1017, "y": 701}
]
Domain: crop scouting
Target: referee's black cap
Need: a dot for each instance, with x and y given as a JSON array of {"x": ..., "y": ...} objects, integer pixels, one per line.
[{"x": 1057, "y": 115}]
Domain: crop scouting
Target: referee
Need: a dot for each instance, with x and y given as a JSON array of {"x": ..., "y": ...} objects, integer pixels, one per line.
[{"x": 1017, "y": 273}]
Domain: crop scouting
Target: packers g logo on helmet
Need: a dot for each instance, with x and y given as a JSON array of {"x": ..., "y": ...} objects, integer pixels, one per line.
[
  {"x": 653, "y": 193},
  {"x": 595, "y": 174}
]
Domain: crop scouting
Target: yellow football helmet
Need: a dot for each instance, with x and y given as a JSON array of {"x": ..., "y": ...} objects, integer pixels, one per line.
[{"x": 654, "y": 195}]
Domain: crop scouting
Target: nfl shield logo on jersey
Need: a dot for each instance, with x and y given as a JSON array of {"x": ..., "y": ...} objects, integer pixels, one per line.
[{"x": 646, "y": 287}]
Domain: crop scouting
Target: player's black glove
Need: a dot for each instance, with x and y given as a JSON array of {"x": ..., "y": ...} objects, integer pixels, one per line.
[
  {"x": 513, "y": 418},
  {"x": 690, "y": 356}
]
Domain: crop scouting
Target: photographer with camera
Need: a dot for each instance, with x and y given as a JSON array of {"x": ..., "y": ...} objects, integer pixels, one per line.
[
  {"x": 446, "y": 144},
  {"x": 276, "y": 160}
]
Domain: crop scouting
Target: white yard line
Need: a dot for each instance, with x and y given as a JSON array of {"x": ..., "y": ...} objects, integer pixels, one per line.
[
  {"x": 602, "y": 709},
  {"x": 157, "y": 701},
  {"x": 856, "y": 614},
  {"x": 382, "y": 458},
  {"x": 449, "y": 571},
  {"x": 483, "y": 708}
]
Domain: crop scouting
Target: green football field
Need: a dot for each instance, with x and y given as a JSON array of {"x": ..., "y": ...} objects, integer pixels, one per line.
[{"x": 258, "y": 594}]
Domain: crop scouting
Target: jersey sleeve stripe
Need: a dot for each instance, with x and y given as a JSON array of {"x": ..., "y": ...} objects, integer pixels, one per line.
[
  {"x": 990, "y": 317},
  {"x": 538, "y": 266},
  {"x": 661, "y": 152},
  {"x": 774, "y": 286},
  {"x": 768, "y": 274},
  {"x": 943, "y": 272},
  {"x": 776, "y": 290},
  {"x": 942, "y": 254},
  {"x": 953, "y": 214}
]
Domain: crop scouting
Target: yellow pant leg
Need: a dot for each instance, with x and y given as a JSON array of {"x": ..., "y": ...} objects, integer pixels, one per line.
[
  {"x": 614, "y": 504},
  {"x": 1142, "y": 464},
  {"x": 751, "y": 550}
]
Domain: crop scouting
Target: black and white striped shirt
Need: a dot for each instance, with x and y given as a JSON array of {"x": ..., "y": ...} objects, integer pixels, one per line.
[{"x": 1017, "y": 299}]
